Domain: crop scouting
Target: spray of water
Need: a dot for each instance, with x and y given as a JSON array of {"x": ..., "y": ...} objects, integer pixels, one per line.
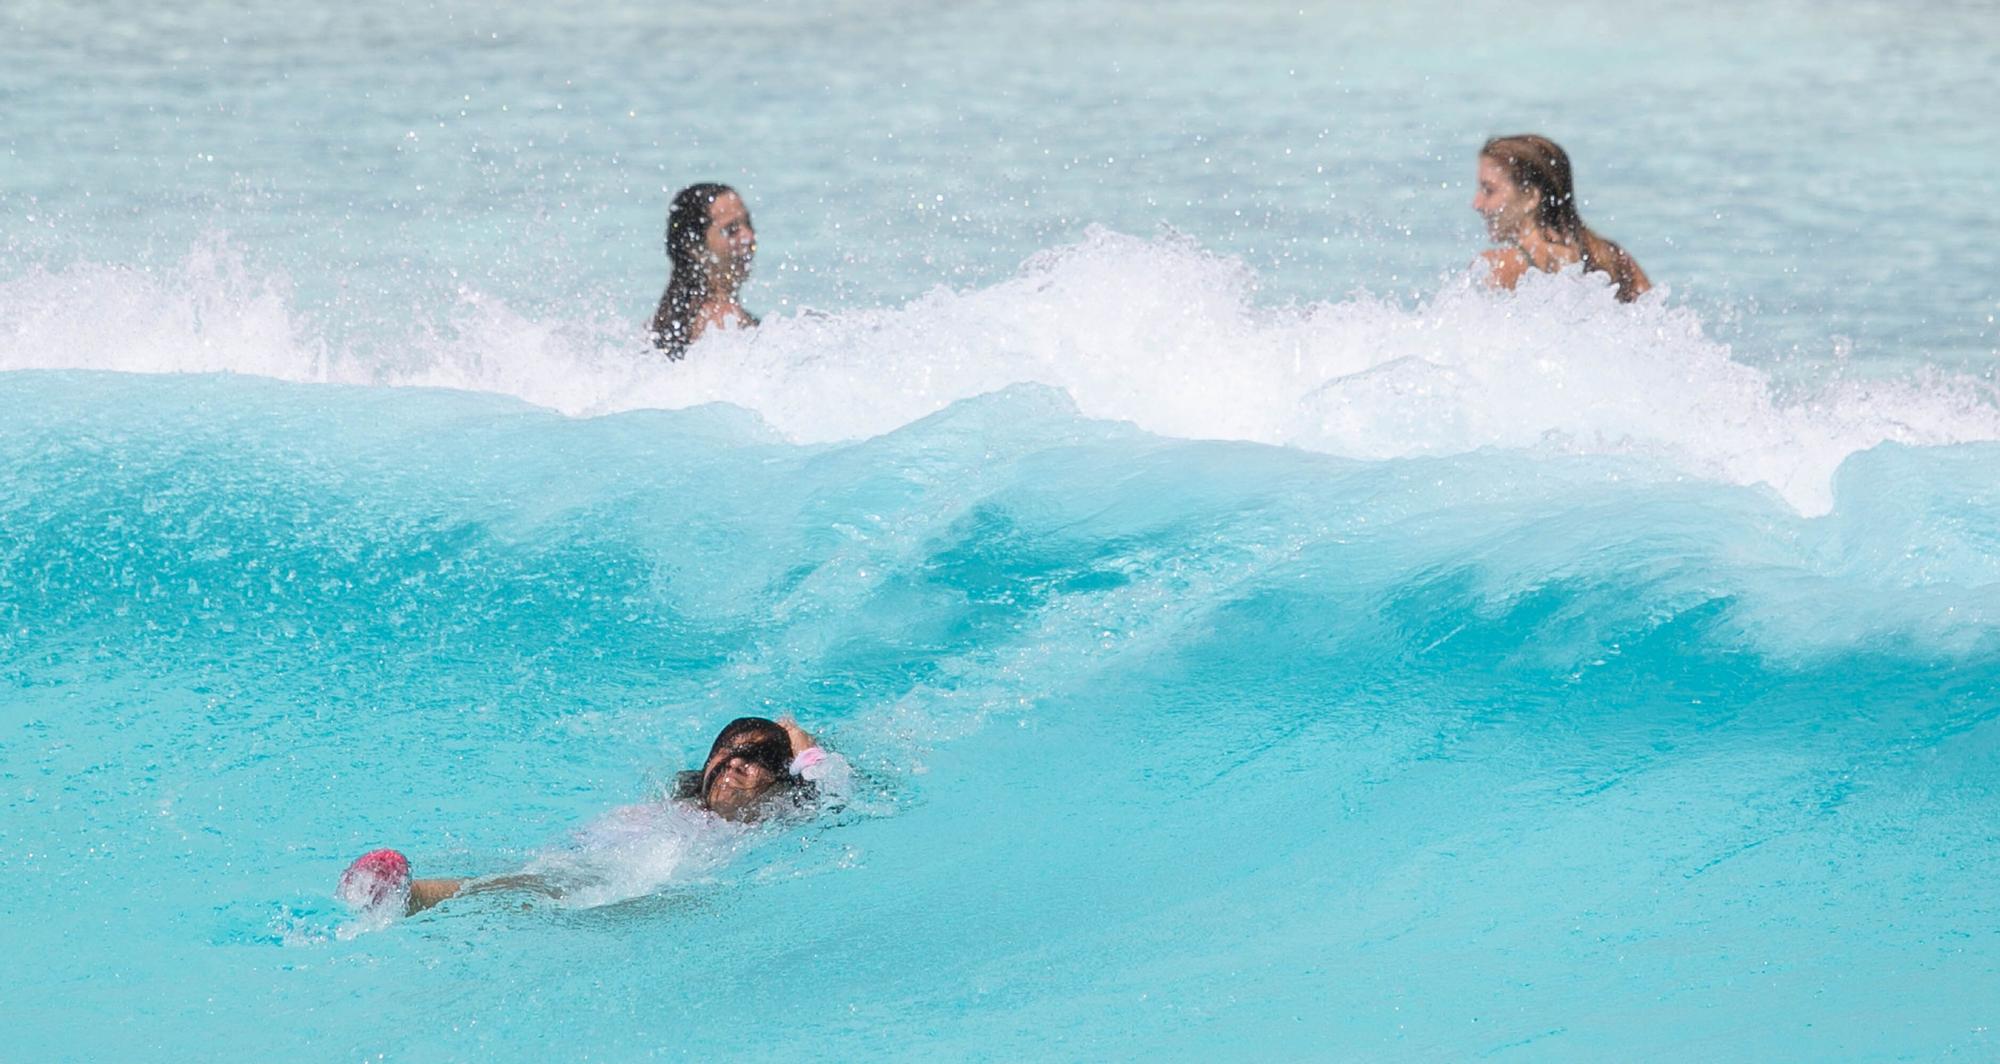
[{"x": 1152, "y": 331}]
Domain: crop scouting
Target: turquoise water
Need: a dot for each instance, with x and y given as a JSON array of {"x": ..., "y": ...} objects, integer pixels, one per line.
[{"x": 1256, "y": 641}]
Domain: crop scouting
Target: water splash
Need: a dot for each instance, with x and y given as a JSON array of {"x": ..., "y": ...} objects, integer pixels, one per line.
[{"x": 1152, "y": 331}]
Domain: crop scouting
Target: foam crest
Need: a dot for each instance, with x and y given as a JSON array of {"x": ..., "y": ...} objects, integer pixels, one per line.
[{"x": 1152, "y": 331}]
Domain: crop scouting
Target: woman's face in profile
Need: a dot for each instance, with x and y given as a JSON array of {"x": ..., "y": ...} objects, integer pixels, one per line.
[
  {"x": 1505, "y": 207},
  {"x": 731, "y": 241}
]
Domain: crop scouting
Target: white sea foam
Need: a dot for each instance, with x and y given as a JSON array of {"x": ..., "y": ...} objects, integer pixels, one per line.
[
  {"x": 636, "y": 850},
  {"x": 1154, "y": 331}
]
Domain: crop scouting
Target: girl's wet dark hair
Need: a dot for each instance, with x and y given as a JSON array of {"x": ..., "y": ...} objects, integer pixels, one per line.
[
  {"x": 747, "y": 728},
  {"x": 1537, "y": 164},
  {"x": 756, "y": 739},
  {"x": 687, "y": 282}
]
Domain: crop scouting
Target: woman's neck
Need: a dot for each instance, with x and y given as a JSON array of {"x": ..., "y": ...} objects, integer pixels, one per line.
[{"x": 719, "y": 290}]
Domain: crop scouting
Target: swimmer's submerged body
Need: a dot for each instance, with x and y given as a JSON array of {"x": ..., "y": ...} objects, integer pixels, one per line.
[
  {"x": 755, "y": 770},
  {"x": 1527, "y": 196}
]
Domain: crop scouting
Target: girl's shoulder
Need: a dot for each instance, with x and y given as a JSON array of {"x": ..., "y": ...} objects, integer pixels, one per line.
[{"x": 1507, "y": 265}]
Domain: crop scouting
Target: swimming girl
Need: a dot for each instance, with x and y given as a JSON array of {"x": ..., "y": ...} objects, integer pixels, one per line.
[
  {"x": 756, "y": 768},
  {"x": 1529, "y": 201},
  {"x": 710, "y": 245}
]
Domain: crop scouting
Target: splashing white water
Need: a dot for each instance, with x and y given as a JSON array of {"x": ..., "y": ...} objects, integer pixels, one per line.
[{"x": 1155, "y": 332}]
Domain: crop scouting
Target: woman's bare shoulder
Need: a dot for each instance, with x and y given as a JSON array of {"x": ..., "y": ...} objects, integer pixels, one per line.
[{"x": 1507, "y": 265}]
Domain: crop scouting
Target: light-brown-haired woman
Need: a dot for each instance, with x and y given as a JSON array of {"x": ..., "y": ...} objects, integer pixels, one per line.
[{"x": 1528, "y": 199}]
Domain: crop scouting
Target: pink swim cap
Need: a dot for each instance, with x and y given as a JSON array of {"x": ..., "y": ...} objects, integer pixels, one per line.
[{"x": 375, "y": 879}]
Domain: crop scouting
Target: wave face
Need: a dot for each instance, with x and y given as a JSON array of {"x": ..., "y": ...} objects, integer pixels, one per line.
[{"x": 1196, "y": 731}]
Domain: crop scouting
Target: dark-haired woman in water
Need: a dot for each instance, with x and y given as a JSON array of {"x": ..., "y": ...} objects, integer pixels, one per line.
[
  {"x": 1528, "y": 199},
  {"x": 756, "y": 768},
  {"x": 710, "y": 245}
]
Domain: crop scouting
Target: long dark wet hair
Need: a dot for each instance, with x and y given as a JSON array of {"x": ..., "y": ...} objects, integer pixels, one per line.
[
  {"x": 687, "y": 282},
  {"x": 1537, "y": 164},
  {"x": 757, "y": 739}
]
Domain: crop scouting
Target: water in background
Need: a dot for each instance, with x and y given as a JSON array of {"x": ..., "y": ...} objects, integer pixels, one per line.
[{"x": 1256, "y": 639}]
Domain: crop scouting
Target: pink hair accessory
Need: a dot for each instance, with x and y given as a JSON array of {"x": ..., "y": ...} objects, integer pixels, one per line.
[{"x": 375, "y": 879}]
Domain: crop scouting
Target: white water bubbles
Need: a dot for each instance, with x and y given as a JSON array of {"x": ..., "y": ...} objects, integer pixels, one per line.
[{"x": 1154, "y": 331}]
